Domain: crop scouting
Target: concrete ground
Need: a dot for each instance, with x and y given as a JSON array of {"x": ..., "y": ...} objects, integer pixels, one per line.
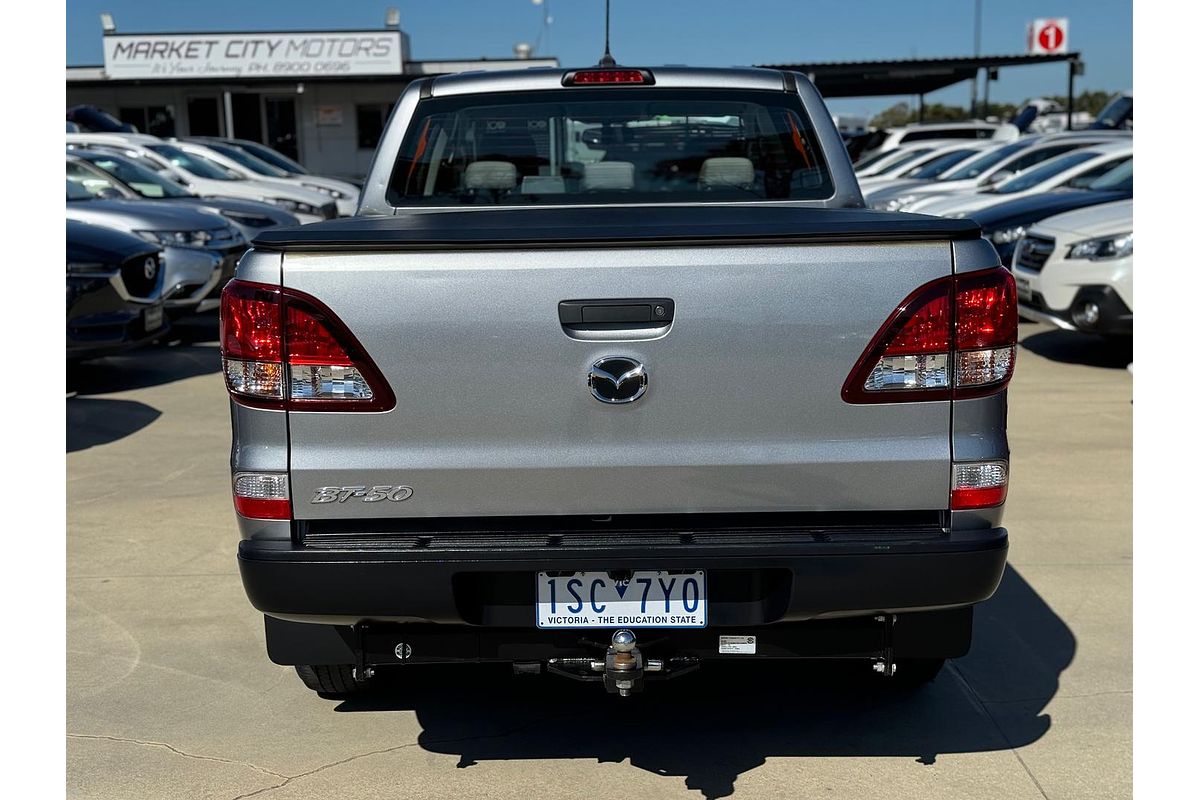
[{"x": 170, "y": 693}]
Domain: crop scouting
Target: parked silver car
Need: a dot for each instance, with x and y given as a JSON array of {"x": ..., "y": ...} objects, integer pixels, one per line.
[
  {"x": 200, "y": 250},
  {"x": 135, "y": 182}
]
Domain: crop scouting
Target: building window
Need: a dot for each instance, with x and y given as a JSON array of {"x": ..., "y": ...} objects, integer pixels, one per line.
[
  {"x": 371, "y": 120},
  {"x": 154, "y": 120}
]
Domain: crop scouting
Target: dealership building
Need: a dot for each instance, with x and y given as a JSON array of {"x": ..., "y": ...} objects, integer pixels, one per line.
[{"x": 321, "y": 97}]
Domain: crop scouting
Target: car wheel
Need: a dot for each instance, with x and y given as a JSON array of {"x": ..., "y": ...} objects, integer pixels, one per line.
[{"x": 331, "y": 679}]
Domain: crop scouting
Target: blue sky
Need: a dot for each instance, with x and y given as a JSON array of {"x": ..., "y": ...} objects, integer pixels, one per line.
[{"x": 696, "y": 32}]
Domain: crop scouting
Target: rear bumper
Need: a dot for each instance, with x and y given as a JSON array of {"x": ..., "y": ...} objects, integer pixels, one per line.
[{"x": 748, "y": 584}]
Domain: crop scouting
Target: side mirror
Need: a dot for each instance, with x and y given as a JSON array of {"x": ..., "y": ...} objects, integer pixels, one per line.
[
  {"x": 998, "y": 176},
  {"x": 109, "y": 193}
]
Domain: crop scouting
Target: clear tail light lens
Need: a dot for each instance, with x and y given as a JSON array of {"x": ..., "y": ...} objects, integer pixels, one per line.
[
  {"x": 262, "y": 495},
  {"x": 952, "y": 338},
  {"x": 284, "y": 349},
  {"x": 980, "y": 484}
]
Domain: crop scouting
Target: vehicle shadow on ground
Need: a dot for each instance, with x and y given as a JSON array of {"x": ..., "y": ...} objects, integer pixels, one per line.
[
  {"x": 92, "y": 422},
  {"x": 728, "y": 718},
  {"x": 190, "y": 351},
  {"x": 1073, "y": 347}
]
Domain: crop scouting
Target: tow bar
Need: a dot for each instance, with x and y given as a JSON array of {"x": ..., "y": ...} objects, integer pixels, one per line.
[{"x": 623, "y": 668}]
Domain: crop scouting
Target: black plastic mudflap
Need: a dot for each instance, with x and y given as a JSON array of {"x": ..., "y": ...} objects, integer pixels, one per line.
[{"x": 879, "y": 638}]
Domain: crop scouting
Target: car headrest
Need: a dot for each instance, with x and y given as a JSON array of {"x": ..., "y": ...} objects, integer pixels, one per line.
[
  {"x": 499, "y": 175},
  {"x": 608, "y": 176},
  {"x": 716, "y": 173}
]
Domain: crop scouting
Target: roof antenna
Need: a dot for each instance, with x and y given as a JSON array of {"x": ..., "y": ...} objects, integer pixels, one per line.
[{"x": 607, "y": 60}]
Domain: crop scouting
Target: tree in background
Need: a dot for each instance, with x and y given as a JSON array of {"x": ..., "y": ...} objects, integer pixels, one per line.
[
  {"x": 1091, "y": 102},
  {"x": 893, "y": 117},
  {"x": 903, "y": 114}
]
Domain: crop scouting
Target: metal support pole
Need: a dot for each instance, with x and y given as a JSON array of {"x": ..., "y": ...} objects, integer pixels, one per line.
[
  {"x": 975, "y": 80},
  {"x": 228, "y": 115},
  {"x": 1070, "y": 92},
  {"x": 921, "y": 108}
]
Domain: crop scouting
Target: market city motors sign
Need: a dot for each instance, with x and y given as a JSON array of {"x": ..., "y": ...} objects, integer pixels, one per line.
[{"x": 236, "y": 55}]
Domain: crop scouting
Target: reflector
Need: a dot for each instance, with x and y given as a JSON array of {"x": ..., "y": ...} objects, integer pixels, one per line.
[
  {"x": 261, "y": 495},
  {"x": 979, "y": 484}
]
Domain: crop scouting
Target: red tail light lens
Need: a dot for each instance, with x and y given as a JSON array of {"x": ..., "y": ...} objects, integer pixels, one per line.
[
  {"x": 284, "y": 349},
  {"x": 262, "y": 495},
  {"x": 600, "y": 77},
  {"x": 953, "y": 337},
  {"x": 979, "y": 484}
]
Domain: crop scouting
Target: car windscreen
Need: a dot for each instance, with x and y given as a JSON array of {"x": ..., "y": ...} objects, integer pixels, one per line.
[
  {"x": 199, "y": 166},
  {"x": 871, "y": 161},
  {"x": 89, "y": 182},
  {"x": 1032, "y": 177},
  {"x": 272, "y": 157},
  {"x": 255, "y": 165},
  {"x": 1117, "y": 114},
  {"x": 908, "y": 157},
  {"x": 76, "y": 191},
  {"x": 936, "y": 166},
  {"x": 609, "y": 146},
  {"x": 977, "y": 166},
  {"x": 143, "y": 181},
  {"x": 1117, "y": 179}
]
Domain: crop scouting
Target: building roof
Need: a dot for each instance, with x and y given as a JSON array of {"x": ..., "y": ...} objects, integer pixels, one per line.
[{"x": 906, "y": 76}]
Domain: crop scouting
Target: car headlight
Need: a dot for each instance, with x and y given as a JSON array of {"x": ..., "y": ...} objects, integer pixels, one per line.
[
  {"x": 1007, "y": 235},
  {"x": 294, "y": 205},
  {"x": 1103, "y": 248},
  {"x": 177, "y": 238},
  {"x": 325, "y": 190}
]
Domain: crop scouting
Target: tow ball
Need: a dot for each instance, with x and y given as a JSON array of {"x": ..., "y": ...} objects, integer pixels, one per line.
[{"x": 623, "y": 668}]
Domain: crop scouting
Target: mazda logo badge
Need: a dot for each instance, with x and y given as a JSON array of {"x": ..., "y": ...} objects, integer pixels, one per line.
[
  {"x": 616, "y": 379},
  {"x": 149, "y": 268}
]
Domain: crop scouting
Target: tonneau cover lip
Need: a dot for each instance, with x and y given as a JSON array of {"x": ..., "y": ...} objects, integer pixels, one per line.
[{"x": 626, "y": 226}]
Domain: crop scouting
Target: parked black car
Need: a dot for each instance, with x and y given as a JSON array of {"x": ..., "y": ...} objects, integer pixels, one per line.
[
  {"x": 91, "y": 118},
  {"x": 114, "y": 291}
]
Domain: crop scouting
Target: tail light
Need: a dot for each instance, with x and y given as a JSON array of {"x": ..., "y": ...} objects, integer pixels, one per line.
[
  {"x": 262, "y": 495},
  {"x": 979, "y": 484},
  {"x": 603, "y": 77},
  {"x": 952, "y": 338},
  {"x": 284, "y": 349}
]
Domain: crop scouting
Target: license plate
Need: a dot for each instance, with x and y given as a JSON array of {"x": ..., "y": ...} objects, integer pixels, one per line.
[
  {"x": 647, "y": 599},
  {"x": 1024, "y": 289},
  {"x": 153, "y": 318}
]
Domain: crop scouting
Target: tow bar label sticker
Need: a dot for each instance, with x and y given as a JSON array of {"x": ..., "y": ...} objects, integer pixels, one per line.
[{"x": 737, "y": 645}]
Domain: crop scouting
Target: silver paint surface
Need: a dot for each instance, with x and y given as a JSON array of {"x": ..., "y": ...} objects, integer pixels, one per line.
[{"x": 493, "y": 416}]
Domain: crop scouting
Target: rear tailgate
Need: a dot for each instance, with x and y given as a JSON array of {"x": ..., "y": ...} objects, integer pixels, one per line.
[{"x": 742, "y": 412}]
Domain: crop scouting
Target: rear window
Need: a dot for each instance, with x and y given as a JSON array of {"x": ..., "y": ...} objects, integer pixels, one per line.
[{"x": 597, "y": 146}]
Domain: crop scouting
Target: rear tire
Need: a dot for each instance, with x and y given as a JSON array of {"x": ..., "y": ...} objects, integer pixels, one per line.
[{"x": 331, "y": 679}]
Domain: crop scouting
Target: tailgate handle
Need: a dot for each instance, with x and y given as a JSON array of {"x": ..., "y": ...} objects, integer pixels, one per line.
[{"x": 645, "y": 312}]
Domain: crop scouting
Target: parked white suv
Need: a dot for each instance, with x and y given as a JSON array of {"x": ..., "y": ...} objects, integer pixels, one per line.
[{"x": 1075, "y": 270}]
